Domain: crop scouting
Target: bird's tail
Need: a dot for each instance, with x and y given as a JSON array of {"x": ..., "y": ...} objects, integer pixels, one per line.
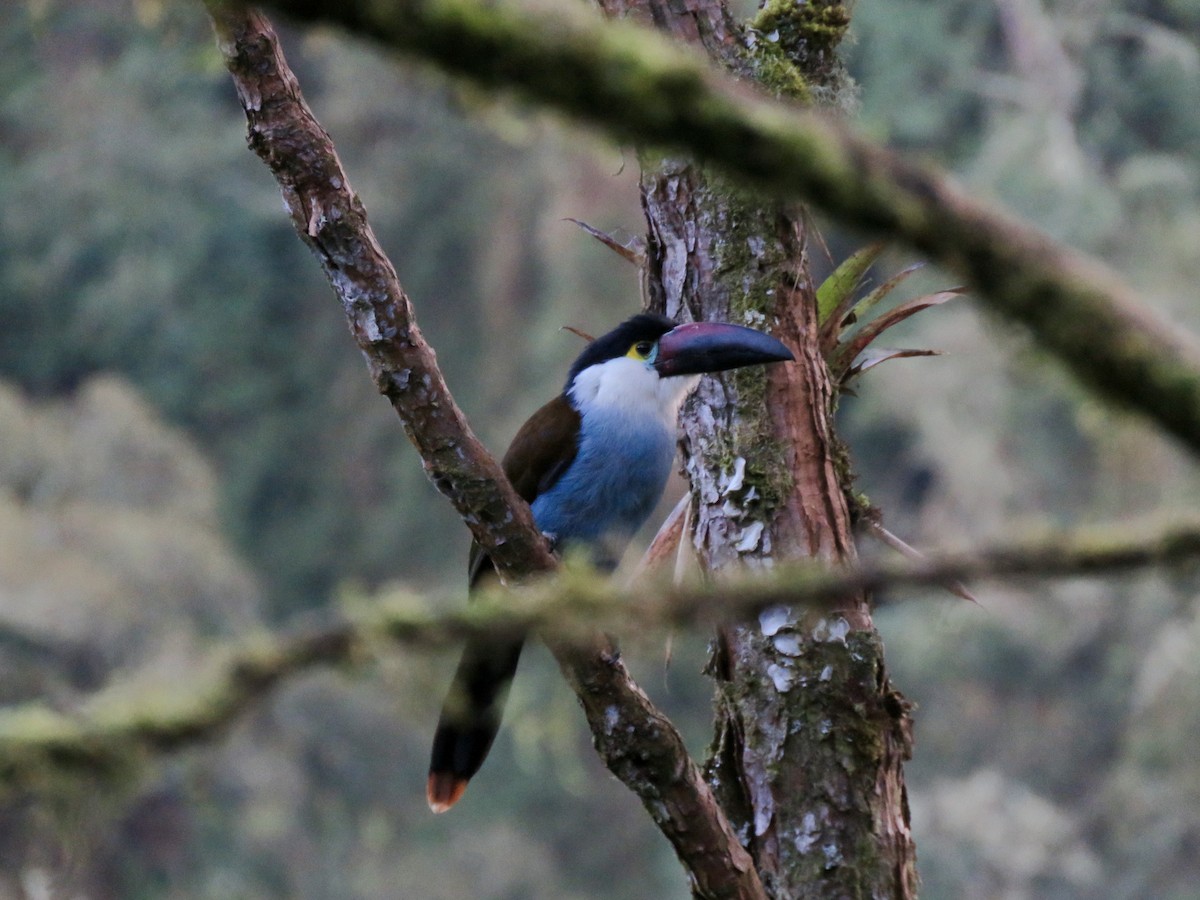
[{"x": 470, "y": 717}]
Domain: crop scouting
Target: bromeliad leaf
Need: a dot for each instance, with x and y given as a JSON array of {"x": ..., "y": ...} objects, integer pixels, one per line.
[
  {"x": 869, "y": 359},
  {"x": 860, "y": 309},
  {"x": 875, "y": 527},
  {"x": 849, "y": 351},
  {"x": 836, "y": 293}
]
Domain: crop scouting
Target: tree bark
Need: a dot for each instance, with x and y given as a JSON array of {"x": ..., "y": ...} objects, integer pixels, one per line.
[{"x": 810, "y": 735}]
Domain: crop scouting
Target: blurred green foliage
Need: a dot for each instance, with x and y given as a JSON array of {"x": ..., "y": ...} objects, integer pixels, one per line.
[{"x": 189, "y": 448}]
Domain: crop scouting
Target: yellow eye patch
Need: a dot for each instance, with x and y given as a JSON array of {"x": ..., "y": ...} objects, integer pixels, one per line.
[{"x": 641, "y": 351}]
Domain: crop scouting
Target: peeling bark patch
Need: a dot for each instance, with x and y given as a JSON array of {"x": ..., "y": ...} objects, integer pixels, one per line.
[
  {"x": 775, "y": 618},
  {"x": 787, "y": 644},
  {"x": 781, "y": 677},
  {"x": 807, "y": 836},
  {"x": 835, "y": 630}
]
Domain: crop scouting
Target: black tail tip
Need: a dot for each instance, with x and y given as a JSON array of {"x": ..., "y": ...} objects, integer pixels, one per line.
[{"x": 443, "y": 790}]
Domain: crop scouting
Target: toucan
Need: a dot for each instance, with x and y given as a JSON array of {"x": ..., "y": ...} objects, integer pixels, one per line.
[{"x": 592, "y": 463}]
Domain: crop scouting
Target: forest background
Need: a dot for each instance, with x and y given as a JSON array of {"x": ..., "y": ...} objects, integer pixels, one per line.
[{"x": 190, "y": 449}]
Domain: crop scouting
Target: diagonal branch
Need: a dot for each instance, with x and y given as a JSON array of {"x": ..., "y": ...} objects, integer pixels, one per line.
[
  {"x": 331, "y": 220},
  {"x": 642, "y": 747},
  {"x": 643, "y": 88},
  {"x": 649, "y": 755}
]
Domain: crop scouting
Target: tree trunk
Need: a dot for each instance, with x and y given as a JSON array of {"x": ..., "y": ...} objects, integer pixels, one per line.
[{"x": 810, "y": 735}]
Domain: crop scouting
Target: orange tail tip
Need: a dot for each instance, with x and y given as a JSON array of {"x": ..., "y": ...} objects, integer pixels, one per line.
[{"x": 443, "y": 790}]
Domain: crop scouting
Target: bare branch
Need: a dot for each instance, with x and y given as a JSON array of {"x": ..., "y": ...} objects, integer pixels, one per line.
[
  {"x": 643, "y": 748},
  {"x": 643, "y": 88}
]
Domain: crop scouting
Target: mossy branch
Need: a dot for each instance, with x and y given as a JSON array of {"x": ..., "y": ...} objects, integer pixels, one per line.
[
  {"x": 121, "y": 726},
  {"x": 640, "y": 87}
]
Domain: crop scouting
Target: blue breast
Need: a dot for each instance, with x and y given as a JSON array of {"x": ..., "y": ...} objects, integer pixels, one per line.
[{"x": 611, "y": 487}]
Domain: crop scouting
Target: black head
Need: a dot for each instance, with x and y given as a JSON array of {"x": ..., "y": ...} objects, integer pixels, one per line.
[
  {"x": 690, "y": 349},
  {"x": 645, "y": 328}
]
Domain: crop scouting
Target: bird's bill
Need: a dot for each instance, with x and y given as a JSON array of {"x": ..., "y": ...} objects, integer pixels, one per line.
[{"x": 699, "y": 347}]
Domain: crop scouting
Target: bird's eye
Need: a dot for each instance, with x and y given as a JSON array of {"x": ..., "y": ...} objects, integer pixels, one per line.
[{"x": 643, "y": 348}]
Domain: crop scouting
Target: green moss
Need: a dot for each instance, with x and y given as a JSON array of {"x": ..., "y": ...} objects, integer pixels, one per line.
[
  {"x": 766, "y": 468},
  {"x": 840, "y": 731},
  {"x": 859, "y": 503},
  {"x": 776, "y": 72},
  {"x": 766, "y": 476},
  {"x": 45, "y": 751},
  {"x": 749, "y": 267},
  {"x": 802, "y": 29},
  {"x": 794, "y": 55}
]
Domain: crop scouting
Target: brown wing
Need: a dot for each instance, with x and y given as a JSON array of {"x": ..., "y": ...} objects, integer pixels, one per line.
[{"x": 542, "y": 450}]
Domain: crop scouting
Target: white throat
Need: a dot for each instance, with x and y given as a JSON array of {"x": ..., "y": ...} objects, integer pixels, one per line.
[{"x": 632, "y": 388}]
